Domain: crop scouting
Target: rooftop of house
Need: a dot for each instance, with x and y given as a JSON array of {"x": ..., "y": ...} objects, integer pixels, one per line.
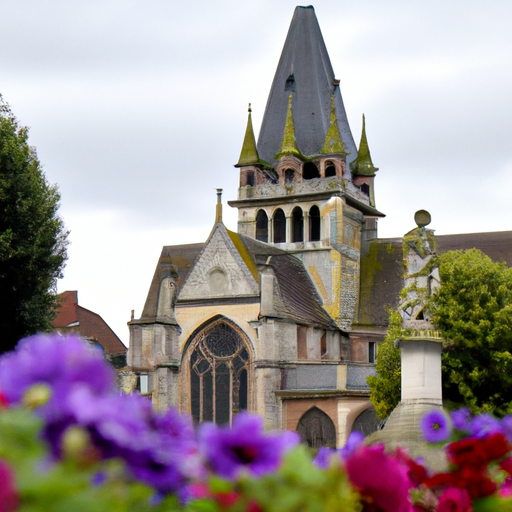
[{"x": 88, "y": 324}]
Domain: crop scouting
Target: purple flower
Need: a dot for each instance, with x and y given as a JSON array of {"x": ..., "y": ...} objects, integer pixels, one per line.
[
  {"x": 484, "y": 424},
  {"x": 58, "y": 362},
  {"x": 324, "y": 457},
  {"x": 460, "y": 419},
  {"x": 354, "y": 440},
  {"x": 244, "y": 447},
  {"x": 435, "y": 426}
]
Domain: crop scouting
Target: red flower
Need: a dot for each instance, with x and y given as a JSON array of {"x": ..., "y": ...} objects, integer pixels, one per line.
[
  {"x": 454, "y": 500},
  {"x": 3, "y": 401},
  {"x": 478, "y": 451},
  {"x": 8, "y": 493}
]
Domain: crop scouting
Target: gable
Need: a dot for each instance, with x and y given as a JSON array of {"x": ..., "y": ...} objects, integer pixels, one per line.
[{"x": 220, "y": 271}]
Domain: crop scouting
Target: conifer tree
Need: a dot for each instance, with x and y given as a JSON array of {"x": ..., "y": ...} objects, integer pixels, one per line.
[{"x": 33, "y": 239}]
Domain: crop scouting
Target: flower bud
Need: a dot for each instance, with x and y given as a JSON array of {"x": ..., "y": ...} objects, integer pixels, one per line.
[
  {"x": 36, "y": 395},
  {"x": 76, "y": 445}
]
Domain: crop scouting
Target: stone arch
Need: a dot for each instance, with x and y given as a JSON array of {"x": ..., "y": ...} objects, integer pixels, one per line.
[
  {"x": 314, "y": 224},
  {"x": 367, "y": 422},
  {"x": 217, "y": 359},
  {"x": 262, "y": 226},
  {"x": 279, "y": 225},
  {"x": 297, "y": 225},
  {"x": 330, "y": 169},
  {"x": 317, "y": 429}
]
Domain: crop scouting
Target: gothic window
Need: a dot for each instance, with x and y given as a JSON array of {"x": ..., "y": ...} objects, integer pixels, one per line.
[
  {"x": 289, "y": 176},
  {"x": 330, "y": 169},
  {"x": 262, "y": 226},
  {"x": 219, "y": 368},
  {"x": 317, "y": 429},
  {"x": 314, "y": 224},
  {"x": 297, "y": 225},
  {"x": 279, "y": 227},
  {"x": 367, "y": 422},
  {"x": 310, "y": 171}
]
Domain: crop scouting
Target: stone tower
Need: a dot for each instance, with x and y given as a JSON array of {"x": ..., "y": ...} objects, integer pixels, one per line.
[{"x": 304, "y": 187}]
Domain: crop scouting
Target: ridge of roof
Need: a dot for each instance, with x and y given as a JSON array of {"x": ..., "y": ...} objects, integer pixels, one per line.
[{"x": 305, "y": 71}]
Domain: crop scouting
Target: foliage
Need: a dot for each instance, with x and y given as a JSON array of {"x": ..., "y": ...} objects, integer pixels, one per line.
[
  {"x": 32, "y": 236},
  {"x": 473, "y": 311},
  {"x": 60, "y": 451},
  {"x": 385, "y": 387}
]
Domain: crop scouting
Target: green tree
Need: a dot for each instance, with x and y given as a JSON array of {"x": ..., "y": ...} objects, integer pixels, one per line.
[
  {"x": 33, "y": 239},
  {"x": 473, "y": 310},
  {"x": 385, "y": 387}
]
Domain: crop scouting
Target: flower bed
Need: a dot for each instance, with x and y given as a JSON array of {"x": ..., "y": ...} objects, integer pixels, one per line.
[{"x": 70, "y": 442}]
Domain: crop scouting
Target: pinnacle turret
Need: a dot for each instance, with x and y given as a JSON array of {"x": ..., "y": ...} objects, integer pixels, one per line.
[
  {"x": 289, "y": 144},
  {"x": 249, "y": 153},
  {"x": 363, "y": 165},
  {"x": 333, "y": 143}
]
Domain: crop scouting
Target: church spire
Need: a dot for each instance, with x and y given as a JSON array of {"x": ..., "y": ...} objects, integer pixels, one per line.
[
  {"x": 305, "y": 70},
  {"x": 249, "y": 153},
  {"x": 289, "y": 145},
  {"x": 363, "y": 165},
  {"x": 333, "y": 142}
]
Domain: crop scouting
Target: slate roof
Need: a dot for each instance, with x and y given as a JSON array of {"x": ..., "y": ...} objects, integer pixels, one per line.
[
  {"x": 305, "y": 71},
  {"x": 90, "y": 324},
  {"x": 181, "y": 257},
  {"x": 296, "y": 298},
  {"x": 382, "y": 269}
]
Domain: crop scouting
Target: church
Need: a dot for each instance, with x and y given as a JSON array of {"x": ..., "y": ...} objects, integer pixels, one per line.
[{"x": 283, "y": 318}]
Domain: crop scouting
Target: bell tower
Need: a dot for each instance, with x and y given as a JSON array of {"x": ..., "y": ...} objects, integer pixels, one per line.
[{"x": 304, "y": 186}]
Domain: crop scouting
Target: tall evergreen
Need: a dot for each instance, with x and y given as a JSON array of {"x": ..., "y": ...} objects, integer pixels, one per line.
[{"x": 33, "y": 238}]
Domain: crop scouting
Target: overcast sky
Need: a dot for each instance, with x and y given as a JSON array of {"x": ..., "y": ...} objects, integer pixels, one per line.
[{"x": 138, "y": 110}]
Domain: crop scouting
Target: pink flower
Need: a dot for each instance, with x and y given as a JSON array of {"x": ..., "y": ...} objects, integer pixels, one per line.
[
  {"x": 454, "y": 500},
  {"x": 381, "y": 479},
  {"x": 8, "y": 492}
]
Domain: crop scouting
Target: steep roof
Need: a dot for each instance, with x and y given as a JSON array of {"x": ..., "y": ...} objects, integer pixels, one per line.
[
  {"x": 295, "y": 298},
  {"x": 305, "y": 71},
  {"x": 181, "y": 257},
  {"x": 88, "y": 323}
]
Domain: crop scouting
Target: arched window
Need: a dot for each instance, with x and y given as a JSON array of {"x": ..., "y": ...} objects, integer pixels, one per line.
[
  {"x": 249, "y": 178},
  {"x": 219, "y": 367},
  {"x": 365, "y": 189},
  {"x": 297, "y": 225},
  {"x": 262, "y": 226},
  {"x": 310, "y": 171},
  {"x": 289, "y": 176},
  {"x": 279, "y": 227},
  {"x": 314, "y": 224},
  {"x": 317, "y": 429},
  {"x": 330, "y": 169}
]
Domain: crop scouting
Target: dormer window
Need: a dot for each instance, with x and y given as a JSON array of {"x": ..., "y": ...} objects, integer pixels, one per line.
[
  {"x": 310, "y": 171},
  {"x": 330, "y": 169},
  {"x": 289, "y": 176}
]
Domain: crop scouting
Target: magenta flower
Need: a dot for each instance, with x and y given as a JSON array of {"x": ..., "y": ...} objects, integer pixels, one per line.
[
  {"x": 454, "y": 499},
  {"x": 436, "y": 426},
  {"x": 8, "y": 494},
  {"x": 381, "y": 479},
  {"x": 244, "y": 447}
]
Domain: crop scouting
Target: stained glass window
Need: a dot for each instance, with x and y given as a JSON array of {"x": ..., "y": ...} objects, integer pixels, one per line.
[{"x": 219, "y": 368}]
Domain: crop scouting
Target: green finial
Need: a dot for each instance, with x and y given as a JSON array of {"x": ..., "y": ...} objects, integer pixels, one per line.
[
  {"x": 249, "y": 153},
  {"x": 289, "y": 146},
  {"x": 363, "y": 165},
  {"x": 333, "y": 142}
]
